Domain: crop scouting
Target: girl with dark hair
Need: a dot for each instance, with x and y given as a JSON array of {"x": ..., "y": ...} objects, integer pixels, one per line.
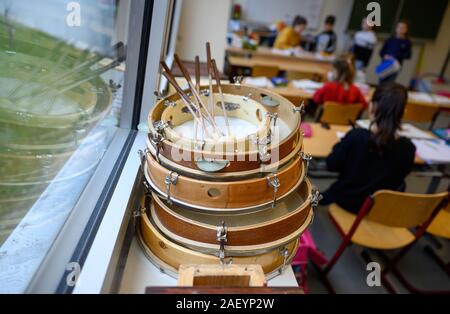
[
  {"x": 373, "y": 159},
  {"x": 340, "y": 87}
]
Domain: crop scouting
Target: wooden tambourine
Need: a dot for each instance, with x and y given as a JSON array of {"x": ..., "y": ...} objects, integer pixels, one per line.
[
  {"x": 224, "y": 196},
  {"x": 227, "y": 176},
  {"x": 237, "y": 106},
  {"x": 168, "y": 256},
  {"x": 277, "y": 146},
  {"x": 245, "y": 232}
]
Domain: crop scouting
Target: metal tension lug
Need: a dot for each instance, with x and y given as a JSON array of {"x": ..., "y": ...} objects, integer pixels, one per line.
[
  {"x": 315, "y": 198},
  {"x": 156, "y": 140},
  {"x": 160, "y": 126},
  {"x": 139, "y": 212},
  {"x": 274, "y": 182},
  {"x": 300, "y": 108},
  {"x": 273, "y": 117},
  {"x": 171, "y": 179},
  {"x": 169, "y": 103},
  {"x": 307, "y": 159},
  {"x": 263, "y": 153},
  {"x": 222, "y": 239},
  {"x": 246, "y": 98},
  {"x": 237, "y": 80},
  {"x": 285, "y": 253}
]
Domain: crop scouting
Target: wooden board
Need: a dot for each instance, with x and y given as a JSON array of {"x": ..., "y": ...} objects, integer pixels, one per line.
[{"x": 221, "y": 275}]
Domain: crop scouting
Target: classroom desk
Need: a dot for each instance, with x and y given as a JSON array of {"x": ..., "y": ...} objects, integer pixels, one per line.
[
  {"x": 305, "y": 63},
  {"x": 294, "y": 94},
  {"x": 425, "y": 99},
  {"x": 291, "y": 92},
  {"x": 321, "y": 143}
]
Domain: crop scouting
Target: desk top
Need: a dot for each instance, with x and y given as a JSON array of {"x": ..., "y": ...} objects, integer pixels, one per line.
[
  {"x": 321, "y": 143},
  {"x": 291, "y": 92},
  {"x": 281, "y": 54},
  {"x": 285, "y": 65},
  {"x": 413, "y": 97}
]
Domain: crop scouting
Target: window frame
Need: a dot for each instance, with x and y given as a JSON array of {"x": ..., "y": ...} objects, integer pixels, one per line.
[{"x": 76, "y": 236}]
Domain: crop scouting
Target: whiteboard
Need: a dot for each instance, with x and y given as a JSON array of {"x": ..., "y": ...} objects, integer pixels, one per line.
[{"x": 269, "y": 11}]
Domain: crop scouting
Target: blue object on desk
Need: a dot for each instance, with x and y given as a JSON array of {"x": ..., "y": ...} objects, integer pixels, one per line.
[
  {"x": 443, "y": 134},
  {"x": 279, "y": 81}
]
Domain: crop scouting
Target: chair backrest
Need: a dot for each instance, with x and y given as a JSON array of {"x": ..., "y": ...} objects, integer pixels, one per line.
[
  {"x": 264, "y": 70},
  {"x": 339, "y": 113},
  {"x": 420, "y": 113},
  {"x": 405, "y": 210}
]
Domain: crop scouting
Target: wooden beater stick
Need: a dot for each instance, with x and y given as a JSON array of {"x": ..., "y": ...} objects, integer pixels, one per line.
[
  {"x": 209, "y": 67},
  {"x": 197, "y": 84},
  {"x": 222, "y": 100},
  {"x": 197, "y": 98},
  {"x": 189, "y": 81},
  {"x": 187, "y": 101}
]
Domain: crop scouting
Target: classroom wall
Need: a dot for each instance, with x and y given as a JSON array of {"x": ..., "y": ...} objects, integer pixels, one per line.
[
  {"x": 434, "y": 53},
  {"x": 202, "y": 21}
]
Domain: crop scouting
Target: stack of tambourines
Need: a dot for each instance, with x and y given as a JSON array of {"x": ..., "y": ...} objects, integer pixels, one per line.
[{"x": 242, "y": 201}]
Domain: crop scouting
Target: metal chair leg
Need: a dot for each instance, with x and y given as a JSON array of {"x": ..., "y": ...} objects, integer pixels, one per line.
[{"x": 432, "y": 253}]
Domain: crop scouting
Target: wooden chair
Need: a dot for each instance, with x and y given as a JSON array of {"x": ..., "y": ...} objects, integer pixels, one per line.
[
  {"x": 264, "y": 70},
  {"x": 440, "y": 227},
  {"x": 383, "y": 223},
  {"x": 421, "y": 113},
  {"x": 339, "y": 113}
]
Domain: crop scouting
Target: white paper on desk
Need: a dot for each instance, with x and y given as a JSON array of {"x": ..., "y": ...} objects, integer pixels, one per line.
[
  {"x": 419, "y": 96},
  {"x": 429, "y": 98},
  {"x": 307, "y": 84},
  {"x": 408, "y": 130},
  {"x": 261, "y": 81},
  {"x": 284, "y": 52},
  {"x": 432, "y": 151},
  {"x": 340, "y": 134}
]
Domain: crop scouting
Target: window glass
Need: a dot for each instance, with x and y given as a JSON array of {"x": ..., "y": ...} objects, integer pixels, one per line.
[{"x": 62, "y": 67}]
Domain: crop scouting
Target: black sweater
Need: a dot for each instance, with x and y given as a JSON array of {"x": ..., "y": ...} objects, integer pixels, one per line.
[{"x": 363, "y": 169}]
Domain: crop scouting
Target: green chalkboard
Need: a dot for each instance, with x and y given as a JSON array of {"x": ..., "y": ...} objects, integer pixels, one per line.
[
  {"x": 389, "y": 10},
  {"x": 425, "y": 17}
]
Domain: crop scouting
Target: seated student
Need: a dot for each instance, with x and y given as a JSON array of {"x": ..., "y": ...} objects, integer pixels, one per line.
[
  {"x": 374, "y": 159},
  {"x": 397, "y": 47},
  {"x": 340, "y": 87},
  {"x": 290, "y": 37},
  {"x": 326, "y": 41},
  {"x": 363, "y": 44}
]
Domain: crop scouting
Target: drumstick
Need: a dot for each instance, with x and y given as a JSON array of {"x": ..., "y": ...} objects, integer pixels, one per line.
[
  {"x": 197, "y": 98},
  {"x": 189, "y": 81},
  {"x": 168, "y": 74},
  {"x": 187, "y": 101},
  {"x": 222, "y": 100},
  {"x": 208, "y": 64},
  {"x": 197, "y": 85},
  {"x": 197, "y": 73}
]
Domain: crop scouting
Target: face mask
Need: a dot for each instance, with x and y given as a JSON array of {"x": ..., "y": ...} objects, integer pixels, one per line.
[{"x": 331, "y": 76}]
